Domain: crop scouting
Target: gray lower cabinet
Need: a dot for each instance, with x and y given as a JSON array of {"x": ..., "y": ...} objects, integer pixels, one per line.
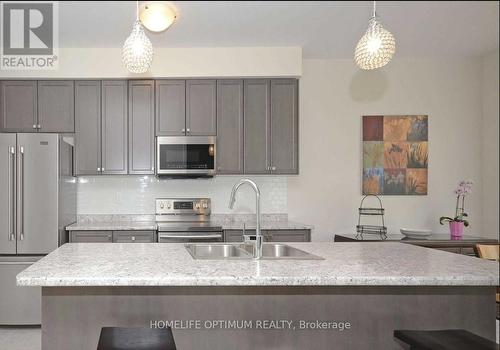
[
  {"x": 88, "y": 127},
  {"x": 91, "y": 236},
  {"x": 18, "y": 106},
  {"x": 170, "y": 107},
  {"x": 134, "y": 236},
  {"x": 236, "y": 235},
  {"x": 141, "y": 151},
  {"x": 230, "y": 126},
  {"x": 114, "y": 110},
  {"x": 256, "y": 124},
  {"x": 201, "y": 119},
  {"x": 287, "y": 236},
  {"x": 284, "y": 127},
  {"x": 56, "y": 112},
  {"x": 270, "y": 235}
]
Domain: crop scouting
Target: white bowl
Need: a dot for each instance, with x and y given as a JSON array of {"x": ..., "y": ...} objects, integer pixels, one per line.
[{"x": 415, "y": 233}]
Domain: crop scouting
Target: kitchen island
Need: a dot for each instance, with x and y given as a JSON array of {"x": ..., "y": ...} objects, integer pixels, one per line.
[{"x": 354, "y": 298}]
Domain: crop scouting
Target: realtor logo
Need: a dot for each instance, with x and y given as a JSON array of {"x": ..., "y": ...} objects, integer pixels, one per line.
[{"x": 29, "y": 38}]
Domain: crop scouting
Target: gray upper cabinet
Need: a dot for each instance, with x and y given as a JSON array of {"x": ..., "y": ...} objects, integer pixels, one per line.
[
  {"x": 114, "y": 127},
  {"x": 56, "y": 112},
  {"x": 230, "y": 126},
  {"x": 18, "y": 106},
  {"x": 141, "y": 152},
  {"x": 88, "y": 127},
  {"x": 201, "y": 107},
  {"x": 170, "y": 107},
  {"x": 284, "y": 127},
  {"x": 256, "y": 121}
]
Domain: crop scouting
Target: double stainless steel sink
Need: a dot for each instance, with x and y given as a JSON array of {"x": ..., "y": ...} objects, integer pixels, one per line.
[{"x": 225, "y": 251}]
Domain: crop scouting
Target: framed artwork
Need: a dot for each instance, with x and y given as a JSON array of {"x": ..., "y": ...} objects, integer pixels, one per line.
[{"x": 395, "y": 155}]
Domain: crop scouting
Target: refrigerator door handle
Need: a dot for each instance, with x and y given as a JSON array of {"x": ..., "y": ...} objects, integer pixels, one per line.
[
  {"x": 21, "y": 193},
  {"x": 10, "y": 169}
]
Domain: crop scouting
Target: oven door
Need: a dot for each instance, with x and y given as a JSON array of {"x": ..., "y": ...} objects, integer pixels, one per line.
[
  {"x": 185, "y": 155},
  {"x": 189, "y": 237}
]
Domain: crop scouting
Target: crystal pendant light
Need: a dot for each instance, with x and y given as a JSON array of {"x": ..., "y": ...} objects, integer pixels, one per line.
[
  {"x": 376, "y": 48},
  {"x": 137, "y": 52}
]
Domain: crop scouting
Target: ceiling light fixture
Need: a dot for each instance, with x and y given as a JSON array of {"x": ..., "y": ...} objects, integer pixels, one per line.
[
  {"x": 376, "y": 48},
  {"x": 157, "y": 16},
  {"x": 137, "y": 52}
]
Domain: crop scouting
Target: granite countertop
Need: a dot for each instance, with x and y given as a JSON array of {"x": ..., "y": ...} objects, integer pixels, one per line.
[
  {"x": 151, "y": 225},
  {"x": 113, "y": 226},
  {"x": 344, "y": 264}
]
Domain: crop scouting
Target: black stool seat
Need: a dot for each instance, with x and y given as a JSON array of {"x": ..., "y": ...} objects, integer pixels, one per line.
[
  {"x": 118, "y": 338},
  {"x": 448, "y": 339}
]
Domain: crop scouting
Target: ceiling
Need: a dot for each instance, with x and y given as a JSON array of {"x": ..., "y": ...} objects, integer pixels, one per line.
[{"x": 327, "y": 29}]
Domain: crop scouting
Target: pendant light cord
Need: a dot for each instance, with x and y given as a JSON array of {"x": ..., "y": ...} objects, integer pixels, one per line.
[
  {"x": 137, "y": 10},
  {"x": 374, "y": 9}
]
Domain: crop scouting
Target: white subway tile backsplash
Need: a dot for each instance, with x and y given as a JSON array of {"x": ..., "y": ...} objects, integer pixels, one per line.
[{"x": 137, "y": 194}]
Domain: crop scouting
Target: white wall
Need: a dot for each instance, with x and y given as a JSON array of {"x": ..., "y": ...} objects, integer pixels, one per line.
[
  {"x": 175, "y": 62},
  {"x": 334, "y": 94},
  {"x": 136, "y": 194},
  {"x": 490, "y": 95}
]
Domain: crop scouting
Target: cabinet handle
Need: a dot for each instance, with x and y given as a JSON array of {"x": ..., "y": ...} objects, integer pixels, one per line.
[
  {"x": 12, "y": 152},
  {"x": 21, "y": 192},
  {"x": 273, "y": 168},
  {"x": 188, "y": 130},
  {"x": 98, "y": 169},
  {"x": 183, "y": 130},
  {"x": 102, "y": 169},
  {"x": 132, "y": 238},
  {"x": 38, "y": 126},
  {"x": 34, "y": 126}
]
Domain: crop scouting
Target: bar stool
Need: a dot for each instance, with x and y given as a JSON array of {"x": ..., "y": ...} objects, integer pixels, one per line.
[
  {"x": 120, "y": 338},
  {"x": 447, "y": 339}
]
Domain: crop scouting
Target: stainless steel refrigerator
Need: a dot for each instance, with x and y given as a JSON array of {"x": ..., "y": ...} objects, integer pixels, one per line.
[{"x": 37, "y": 201}]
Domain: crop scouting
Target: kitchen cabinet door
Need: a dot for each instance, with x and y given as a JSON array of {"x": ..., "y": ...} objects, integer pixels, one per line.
[
  {"x": 141, "y": 153},
  {"x": 288, "y": 236},
  {"x": 256, "y": 126},
  {"x": 134, "y": 237},
  {"x": 18, "y": 106},
  {"x": 170, "y": 107},
  {"x": 284, "y": 127},
  {"x": 91, "y": 236},
  {"x": 114, "y": 127},
  {"x": 201, "y": 119},
  {"x": 230, "y": 126},
  {"x": 88, "y": 127},
  {"x": 56, "y": 106}
]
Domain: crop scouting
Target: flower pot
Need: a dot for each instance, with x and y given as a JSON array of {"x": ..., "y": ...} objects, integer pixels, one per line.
[{"x": 456, "y": 229}]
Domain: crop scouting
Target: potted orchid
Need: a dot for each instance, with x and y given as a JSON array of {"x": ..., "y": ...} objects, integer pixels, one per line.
[{"x": 458, "y": 223}]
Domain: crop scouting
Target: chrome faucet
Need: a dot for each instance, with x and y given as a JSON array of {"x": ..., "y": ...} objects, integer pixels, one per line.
[{"x": 257, "y": 251}]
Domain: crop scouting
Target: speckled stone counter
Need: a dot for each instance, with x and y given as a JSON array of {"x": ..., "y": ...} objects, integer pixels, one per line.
[
  {"x": 114, "y": 226},
  {"x": 344, "y": 264},
  {"x": 146, "y": 222}
]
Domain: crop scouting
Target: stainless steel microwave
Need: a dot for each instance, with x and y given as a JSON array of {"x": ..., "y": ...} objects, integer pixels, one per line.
[{"x": 185, "y": 155}]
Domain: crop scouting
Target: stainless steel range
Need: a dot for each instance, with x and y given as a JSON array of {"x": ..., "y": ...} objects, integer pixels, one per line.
[{"x": 183, "y": 220}]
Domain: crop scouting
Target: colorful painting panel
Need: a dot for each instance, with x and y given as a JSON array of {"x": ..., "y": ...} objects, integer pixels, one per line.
[
  {"x": 373, "y": 154},
  {"x": 373, "y": 128},
  {"x": 373, "y": 180}
]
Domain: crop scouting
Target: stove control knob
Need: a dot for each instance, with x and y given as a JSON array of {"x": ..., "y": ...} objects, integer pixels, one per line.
[
  {"x": 205, "y": 205},
  {"x": 197, "y": 206},
  {"x": 162, "y": 205}
]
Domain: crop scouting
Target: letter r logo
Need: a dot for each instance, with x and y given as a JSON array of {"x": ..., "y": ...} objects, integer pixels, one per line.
[{"x": 28, "y": 28}]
